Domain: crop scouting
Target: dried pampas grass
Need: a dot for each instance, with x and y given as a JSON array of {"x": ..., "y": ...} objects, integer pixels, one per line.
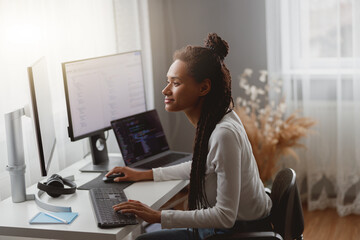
[
  {"x": 269, "y": 140},
  {"x": 271, "y": 136}
]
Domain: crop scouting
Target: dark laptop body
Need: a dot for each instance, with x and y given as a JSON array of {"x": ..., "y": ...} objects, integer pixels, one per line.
[{"x": 143, "y": 143}]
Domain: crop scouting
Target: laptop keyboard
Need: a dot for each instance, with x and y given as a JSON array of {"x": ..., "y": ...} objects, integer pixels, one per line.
[
  {"x": 161, "y": 161},
  {"x": 102, "y": 200}
]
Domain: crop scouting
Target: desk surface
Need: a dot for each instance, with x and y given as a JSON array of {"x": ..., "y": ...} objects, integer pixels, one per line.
[{"x": 14, "y": 220}]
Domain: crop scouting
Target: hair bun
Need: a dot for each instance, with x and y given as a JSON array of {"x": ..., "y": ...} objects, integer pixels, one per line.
[{"x": 218, "y": 45}]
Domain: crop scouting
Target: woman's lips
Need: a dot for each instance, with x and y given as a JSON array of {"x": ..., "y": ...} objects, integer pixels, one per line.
[{"x": 168, "y": 100}]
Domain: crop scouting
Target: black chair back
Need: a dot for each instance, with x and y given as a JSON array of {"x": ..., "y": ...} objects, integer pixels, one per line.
[{"x": 286, "y": 213}]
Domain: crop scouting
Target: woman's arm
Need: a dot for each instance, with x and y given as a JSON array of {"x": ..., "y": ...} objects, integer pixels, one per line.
[
  {"x": 131, "y": 174},
  {"x": 180, "y": 171},
  {"x": 177, "y": 172}
]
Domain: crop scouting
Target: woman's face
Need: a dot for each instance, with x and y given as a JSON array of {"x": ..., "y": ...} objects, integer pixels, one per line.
[{"x": 182, "y": 92}]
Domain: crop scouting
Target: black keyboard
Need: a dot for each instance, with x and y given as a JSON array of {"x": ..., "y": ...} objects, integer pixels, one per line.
[
  {"x": 102, "y": 201},
  {"x": 162, "y": 161}
]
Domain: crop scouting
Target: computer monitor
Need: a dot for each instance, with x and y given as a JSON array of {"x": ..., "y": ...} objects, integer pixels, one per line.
[
  {"x": 99, "y": 90},
  {"x": 42, "y": 113}
]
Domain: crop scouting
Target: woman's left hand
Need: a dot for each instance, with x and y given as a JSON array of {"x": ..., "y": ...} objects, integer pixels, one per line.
[{"x": 141, "y": 210}]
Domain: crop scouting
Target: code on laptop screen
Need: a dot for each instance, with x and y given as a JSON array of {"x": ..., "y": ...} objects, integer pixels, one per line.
[{"x": 140, "y": 136}]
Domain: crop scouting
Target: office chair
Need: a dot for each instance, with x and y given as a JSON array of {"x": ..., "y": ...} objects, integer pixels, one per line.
[{"x": 286, "y": 213}]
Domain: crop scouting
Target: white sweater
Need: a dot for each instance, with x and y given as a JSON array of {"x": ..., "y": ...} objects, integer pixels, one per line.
[{"x": 232, "y": 183}]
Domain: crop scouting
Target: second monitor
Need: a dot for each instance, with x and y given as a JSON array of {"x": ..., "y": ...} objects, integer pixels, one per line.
[{"x": 99, "y": 90}]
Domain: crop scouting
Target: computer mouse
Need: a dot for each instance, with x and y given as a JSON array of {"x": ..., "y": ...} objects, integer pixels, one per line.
[{"x": 110, "y": 178}]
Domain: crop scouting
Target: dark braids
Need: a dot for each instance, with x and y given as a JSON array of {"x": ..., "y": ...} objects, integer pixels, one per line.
[{"x": 202, "y": 63}]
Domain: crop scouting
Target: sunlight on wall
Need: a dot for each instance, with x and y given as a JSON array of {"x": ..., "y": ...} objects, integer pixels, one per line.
[
  {"x": 61, "y": 31},
  {"x": 22, "y": 34}
]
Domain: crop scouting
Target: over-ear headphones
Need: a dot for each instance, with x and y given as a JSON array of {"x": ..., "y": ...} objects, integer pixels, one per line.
[{"x": 54, "y": 186}]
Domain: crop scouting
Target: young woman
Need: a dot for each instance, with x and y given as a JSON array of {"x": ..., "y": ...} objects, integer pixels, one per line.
[{"x": 226, "y": 193}]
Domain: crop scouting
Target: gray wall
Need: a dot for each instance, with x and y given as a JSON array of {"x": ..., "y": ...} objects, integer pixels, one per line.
[{"x": 174, "y": 24}]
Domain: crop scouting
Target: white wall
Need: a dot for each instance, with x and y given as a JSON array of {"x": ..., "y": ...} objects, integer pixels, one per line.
[{"x": 175, "y": 24}]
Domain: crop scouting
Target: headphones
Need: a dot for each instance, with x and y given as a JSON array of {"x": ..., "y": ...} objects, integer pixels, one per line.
[{"x": 54, "y": 186}]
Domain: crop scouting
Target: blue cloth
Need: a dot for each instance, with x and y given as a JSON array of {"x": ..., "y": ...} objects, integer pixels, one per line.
[{"x": 178, "y": 234}]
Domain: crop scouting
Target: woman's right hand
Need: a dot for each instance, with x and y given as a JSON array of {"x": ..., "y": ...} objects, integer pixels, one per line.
[{"x": 131, "y": 174}]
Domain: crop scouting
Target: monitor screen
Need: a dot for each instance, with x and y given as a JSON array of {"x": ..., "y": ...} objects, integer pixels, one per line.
[
  {"x": 102, "y": 89},
  {"x": 99, "y": 90},
  {"x": 42, "y": 113}
]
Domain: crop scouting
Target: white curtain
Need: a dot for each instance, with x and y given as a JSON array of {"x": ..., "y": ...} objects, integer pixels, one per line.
[
  {"x": 314, "y": 46},
  {"x": 61, "y": 31}
]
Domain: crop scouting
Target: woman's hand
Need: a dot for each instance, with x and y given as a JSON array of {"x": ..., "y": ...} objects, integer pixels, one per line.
[
  {"x": 141, "y": 210},
  {"x": 130, "y": 174}
]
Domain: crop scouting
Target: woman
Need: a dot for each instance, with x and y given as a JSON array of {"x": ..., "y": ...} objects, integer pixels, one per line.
[{"x": 225, "y": 189}]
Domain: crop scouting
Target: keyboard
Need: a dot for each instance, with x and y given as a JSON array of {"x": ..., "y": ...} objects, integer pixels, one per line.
[
  {"x": 162, "y": 161},
  {"x": 102, "y": 200}
]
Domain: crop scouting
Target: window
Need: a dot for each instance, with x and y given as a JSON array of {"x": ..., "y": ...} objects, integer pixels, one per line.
[
  {"x": 314, "y": 46},
  {"x": 320, "y": 37}
]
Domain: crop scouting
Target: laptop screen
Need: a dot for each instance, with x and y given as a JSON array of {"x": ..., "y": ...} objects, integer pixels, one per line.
[{"x": 140, "y": 136}]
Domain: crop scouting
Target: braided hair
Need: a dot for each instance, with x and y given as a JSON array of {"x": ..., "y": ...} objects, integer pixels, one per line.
[{"x": 206, "y": 63}]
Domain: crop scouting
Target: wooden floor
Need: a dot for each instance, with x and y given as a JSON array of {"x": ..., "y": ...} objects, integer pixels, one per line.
[{"x": 326, "y": 224}]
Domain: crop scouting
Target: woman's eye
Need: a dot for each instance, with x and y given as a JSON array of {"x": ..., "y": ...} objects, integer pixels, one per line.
[{"x": 176, "y": 84}]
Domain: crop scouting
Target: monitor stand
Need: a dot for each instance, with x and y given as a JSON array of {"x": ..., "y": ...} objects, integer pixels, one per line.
[
  {"x": 16, "y": 162},
  {"x": 101, "y": 160}
]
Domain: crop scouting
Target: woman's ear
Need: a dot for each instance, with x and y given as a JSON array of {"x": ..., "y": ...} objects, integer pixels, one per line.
[{"x": 205, "y": 87}]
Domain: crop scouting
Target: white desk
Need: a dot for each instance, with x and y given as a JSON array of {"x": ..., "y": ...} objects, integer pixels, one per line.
[{"x": 14, "y": 220}]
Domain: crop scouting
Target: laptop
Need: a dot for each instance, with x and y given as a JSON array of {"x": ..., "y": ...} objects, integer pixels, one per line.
[{"x": 143, "y": 143}]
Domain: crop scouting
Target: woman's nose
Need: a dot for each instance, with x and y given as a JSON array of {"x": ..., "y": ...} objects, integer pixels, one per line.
[{"x": 166, "y": 91}]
